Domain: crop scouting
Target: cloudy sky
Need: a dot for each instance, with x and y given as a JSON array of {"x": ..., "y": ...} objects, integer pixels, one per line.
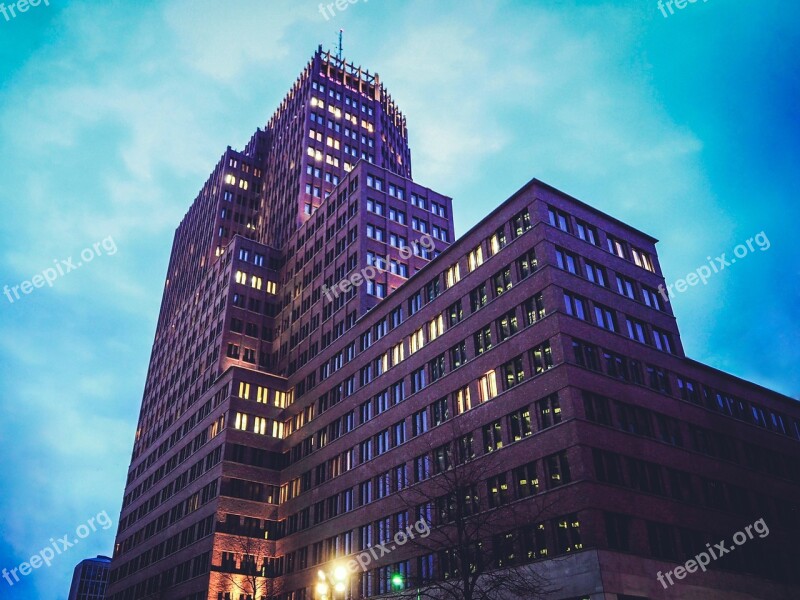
[{"x": 113, "y": 114}]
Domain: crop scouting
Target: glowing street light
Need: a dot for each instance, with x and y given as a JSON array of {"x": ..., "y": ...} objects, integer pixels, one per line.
[
  {"x": 397, "y": 581},
  {"x": 322, "y": 590},
  {"x": 334, "y": 583},
  {"x": 340, "y": 577}
]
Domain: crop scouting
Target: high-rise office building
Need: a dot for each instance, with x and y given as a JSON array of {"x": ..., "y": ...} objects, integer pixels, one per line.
[
  {"x": 90, "y": 578},
  {"x": 326, "y": 347}
]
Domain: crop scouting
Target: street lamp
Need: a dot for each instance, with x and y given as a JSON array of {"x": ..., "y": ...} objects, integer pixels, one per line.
[
  {"x": 322, "y": 590},
  {"x": 340, "y": 577},
  {"x": 333, "y": 583}
]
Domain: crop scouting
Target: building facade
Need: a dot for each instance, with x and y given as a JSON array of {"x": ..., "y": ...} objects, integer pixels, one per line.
[
  {"x": 327, "y": 348},
  {"x": 90, "y": 578}
]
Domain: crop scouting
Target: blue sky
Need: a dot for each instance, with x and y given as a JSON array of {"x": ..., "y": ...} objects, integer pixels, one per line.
[{"x": 113, "y": 114}]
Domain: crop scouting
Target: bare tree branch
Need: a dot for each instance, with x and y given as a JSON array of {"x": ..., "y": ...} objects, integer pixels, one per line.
[
  {"x": 252, "y": 577},
  {"x": 466, "y": 532}
]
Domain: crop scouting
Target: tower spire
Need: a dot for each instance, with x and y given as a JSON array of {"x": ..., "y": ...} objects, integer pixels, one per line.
[{"x": 340, "y": 50}]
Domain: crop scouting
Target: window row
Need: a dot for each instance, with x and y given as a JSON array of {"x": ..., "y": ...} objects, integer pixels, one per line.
[{"x": 564, "y": 221}]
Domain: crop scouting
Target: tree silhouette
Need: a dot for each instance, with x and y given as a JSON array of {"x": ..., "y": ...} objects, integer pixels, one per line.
[
  {"x": 469, "y": 534},
  {"x": 250, "y": 573}
]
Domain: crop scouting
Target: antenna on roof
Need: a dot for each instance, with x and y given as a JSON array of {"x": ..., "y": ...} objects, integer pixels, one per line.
[{"x": 339, "y": 51}]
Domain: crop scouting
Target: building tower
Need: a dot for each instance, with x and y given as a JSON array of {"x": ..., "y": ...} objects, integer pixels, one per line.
[
  {"x": 90, "y": 579},
  {"x": 326, "y": 347}
]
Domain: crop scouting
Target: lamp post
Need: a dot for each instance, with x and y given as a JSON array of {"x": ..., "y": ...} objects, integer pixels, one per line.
[
  {"x": 322, "y": 590},
  {"x": 331, "y": 585}
]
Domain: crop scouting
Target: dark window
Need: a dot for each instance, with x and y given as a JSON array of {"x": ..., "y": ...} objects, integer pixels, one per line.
[
  {"x": 549, "y": 411},
  {"x": 557, "y": 470},
  {"x": 618, "y": 531}
]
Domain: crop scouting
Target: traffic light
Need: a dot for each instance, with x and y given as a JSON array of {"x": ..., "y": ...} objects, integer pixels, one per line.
[{"x": 397, "y": 581}]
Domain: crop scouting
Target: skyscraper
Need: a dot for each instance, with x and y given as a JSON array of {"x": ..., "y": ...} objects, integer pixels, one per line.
[
  {"x": 326, "y": 346},
  {"x": 90, "y": 579}
]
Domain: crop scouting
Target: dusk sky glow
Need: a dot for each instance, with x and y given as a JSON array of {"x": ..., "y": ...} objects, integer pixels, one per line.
[{"x": 114, "y": 113}]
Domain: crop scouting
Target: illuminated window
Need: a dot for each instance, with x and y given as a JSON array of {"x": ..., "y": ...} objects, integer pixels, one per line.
[
  {"x": 498, "y": 490},
  {"x": 452, "y": 276},
  {"x": 416, "y": 341},
  {"x": 244, "y": 390},
  {"x": 497, "y": 241},
  {"x": 463, "y": 400},
  {"x": 255, "y": 282},
  {"x": 436, "y": 327},
  {"x": 549, "y": 411},
  {"x": 507, "y": 325},
  {"x": 520, "y": 223},
  {"x": 542, "y": 356},
  {"x": 260, "y": 425},
  {"x": 502, "y": 281},
  {"x": 241, "y": 277},
  {"x": 487, "y": 386},
  {"x": 262, "y": 395},
  {"x": 616, "y": 246},
  {"x": 398, "y": 353},
  {"x": 568, "y": 534},
  {"x": 243, "y": 184},
  {"x": 217, "y": 426},
  {"x": 230, "y": 179},
  {"x": 475, "y": 258},
  {"x": 381, "y": 364},
  {"x": 241, "y": 421},
  {"x": 642, "y": 259},
  {"x": 315, "y": 154},
  {"x": 526, "y": 480},
  {"x": 478, "y": 298},
  {"x": 272, "y": 287},
  {"x": 483, "y": 340},
  {"x": 513, "y": 373},
  {"x": 520, "y": 424},
  {"x": 280, "y": 399}
]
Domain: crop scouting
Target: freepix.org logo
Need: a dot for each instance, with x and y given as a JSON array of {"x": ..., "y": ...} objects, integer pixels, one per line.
[
  {"x": 423, "y": 245},
  {"x": 45, "y": 556},
  {"x": 402, "y": 537},
  {"x": 19, "y": 7},
  {"x": 61, "y": 268},
  {"x": 703, "y": 559}
]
